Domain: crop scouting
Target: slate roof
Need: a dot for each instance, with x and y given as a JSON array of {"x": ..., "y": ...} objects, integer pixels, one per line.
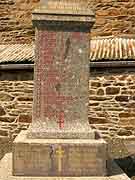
[{"x": 101, "y": 49}]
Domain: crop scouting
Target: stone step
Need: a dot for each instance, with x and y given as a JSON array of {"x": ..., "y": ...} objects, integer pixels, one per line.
[{"x": 6, "y": 173}]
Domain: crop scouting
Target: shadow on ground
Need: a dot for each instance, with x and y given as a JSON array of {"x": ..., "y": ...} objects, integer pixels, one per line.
[{"x": 127, "y": 164}]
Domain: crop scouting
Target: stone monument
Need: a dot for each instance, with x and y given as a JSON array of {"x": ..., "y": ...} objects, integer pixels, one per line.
[{"x": 60, "y": 141}]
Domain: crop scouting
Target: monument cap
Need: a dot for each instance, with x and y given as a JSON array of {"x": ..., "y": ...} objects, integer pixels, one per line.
[{"x": 64, "y": 7}]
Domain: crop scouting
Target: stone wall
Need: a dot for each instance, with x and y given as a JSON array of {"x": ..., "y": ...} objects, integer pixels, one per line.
[
  {"x": 113, "y": 17},
  {"x": 111, "y": 106},
  {"x": 112, "y": 100},
  {"x": 15, "y": 100},
  {"x": 15, "y": 21},
  {"x": 16, "y": 95}
]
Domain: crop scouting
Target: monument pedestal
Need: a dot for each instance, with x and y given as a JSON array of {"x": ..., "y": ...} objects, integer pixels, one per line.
[
  {"x": 58, "y": 157},
  {"x": 60, "y": 141}
]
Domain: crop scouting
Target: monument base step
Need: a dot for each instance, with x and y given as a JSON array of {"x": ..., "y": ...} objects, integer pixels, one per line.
[
  {"x": 58, "y": 157},
  {"x": 6, "y": 173},
  {"x": 52, "y": 131}
]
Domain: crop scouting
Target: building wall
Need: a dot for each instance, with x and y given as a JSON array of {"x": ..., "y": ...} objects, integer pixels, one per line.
[
  {"x": 16, "y": 95},
  {"x": 112, "y": 100},
  {"x": 113, "y": 17},
  {"x": 111, "y": 105},
  {"x": 15, "y": 21}
]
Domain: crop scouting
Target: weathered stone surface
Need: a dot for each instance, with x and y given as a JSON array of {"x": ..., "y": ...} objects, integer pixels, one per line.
[
  {"x": 6, "y": 97},
  {"x": 120, "y": 108},
  {"x": 132, "y": 87},
  {"x": 3, "y": 132},
  {"x": 92, "y": 92},
  {"x": 7, "y": 119},
  {"x": 126, "y": 92},
  {"x": 98, "y": 120},
  {"x": 100, "y": 92},
  {"x": 11, "y": 106},
  {"x": 8, "y": 131},
  {"x": 100, "y": 98},
  {"x": 2, "y": 111},
  {"x": 107, "y": 83},
  {"x": 93, "y": 103},
  {"x": 25, "y": 98},
  {"x": 95, "y": 84},
  {"x": 112, "y": 90},
  {"x": 119, "y": 84},
  {"x": 122, "y": 98},
  {"x": 16, "y": 19},
  {"x": 126, "y": 114},
  {"x": 24, "y": 118},
  {"x": 131, "y": 121},
  {"x": 124, "y": 132},
  {"x": 133, "y": 97}
]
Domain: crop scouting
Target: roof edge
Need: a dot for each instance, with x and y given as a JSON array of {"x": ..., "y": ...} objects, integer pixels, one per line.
[
  {"x": 16, "y": 66},
  {"x": 114, "y": 64}
]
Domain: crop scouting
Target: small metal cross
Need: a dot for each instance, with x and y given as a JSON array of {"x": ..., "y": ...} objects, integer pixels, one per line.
[{"x": 59, "y": 153}]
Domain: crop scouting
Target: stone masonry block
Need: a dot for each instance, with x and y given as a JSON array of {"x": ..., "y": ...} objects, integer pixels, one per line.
[{"x": 61, "y": 157}]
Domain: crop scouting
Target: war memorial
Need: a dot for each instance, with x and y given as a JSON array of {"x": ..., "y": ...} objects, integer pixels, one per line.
[{"x": 60, "y": 142}]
